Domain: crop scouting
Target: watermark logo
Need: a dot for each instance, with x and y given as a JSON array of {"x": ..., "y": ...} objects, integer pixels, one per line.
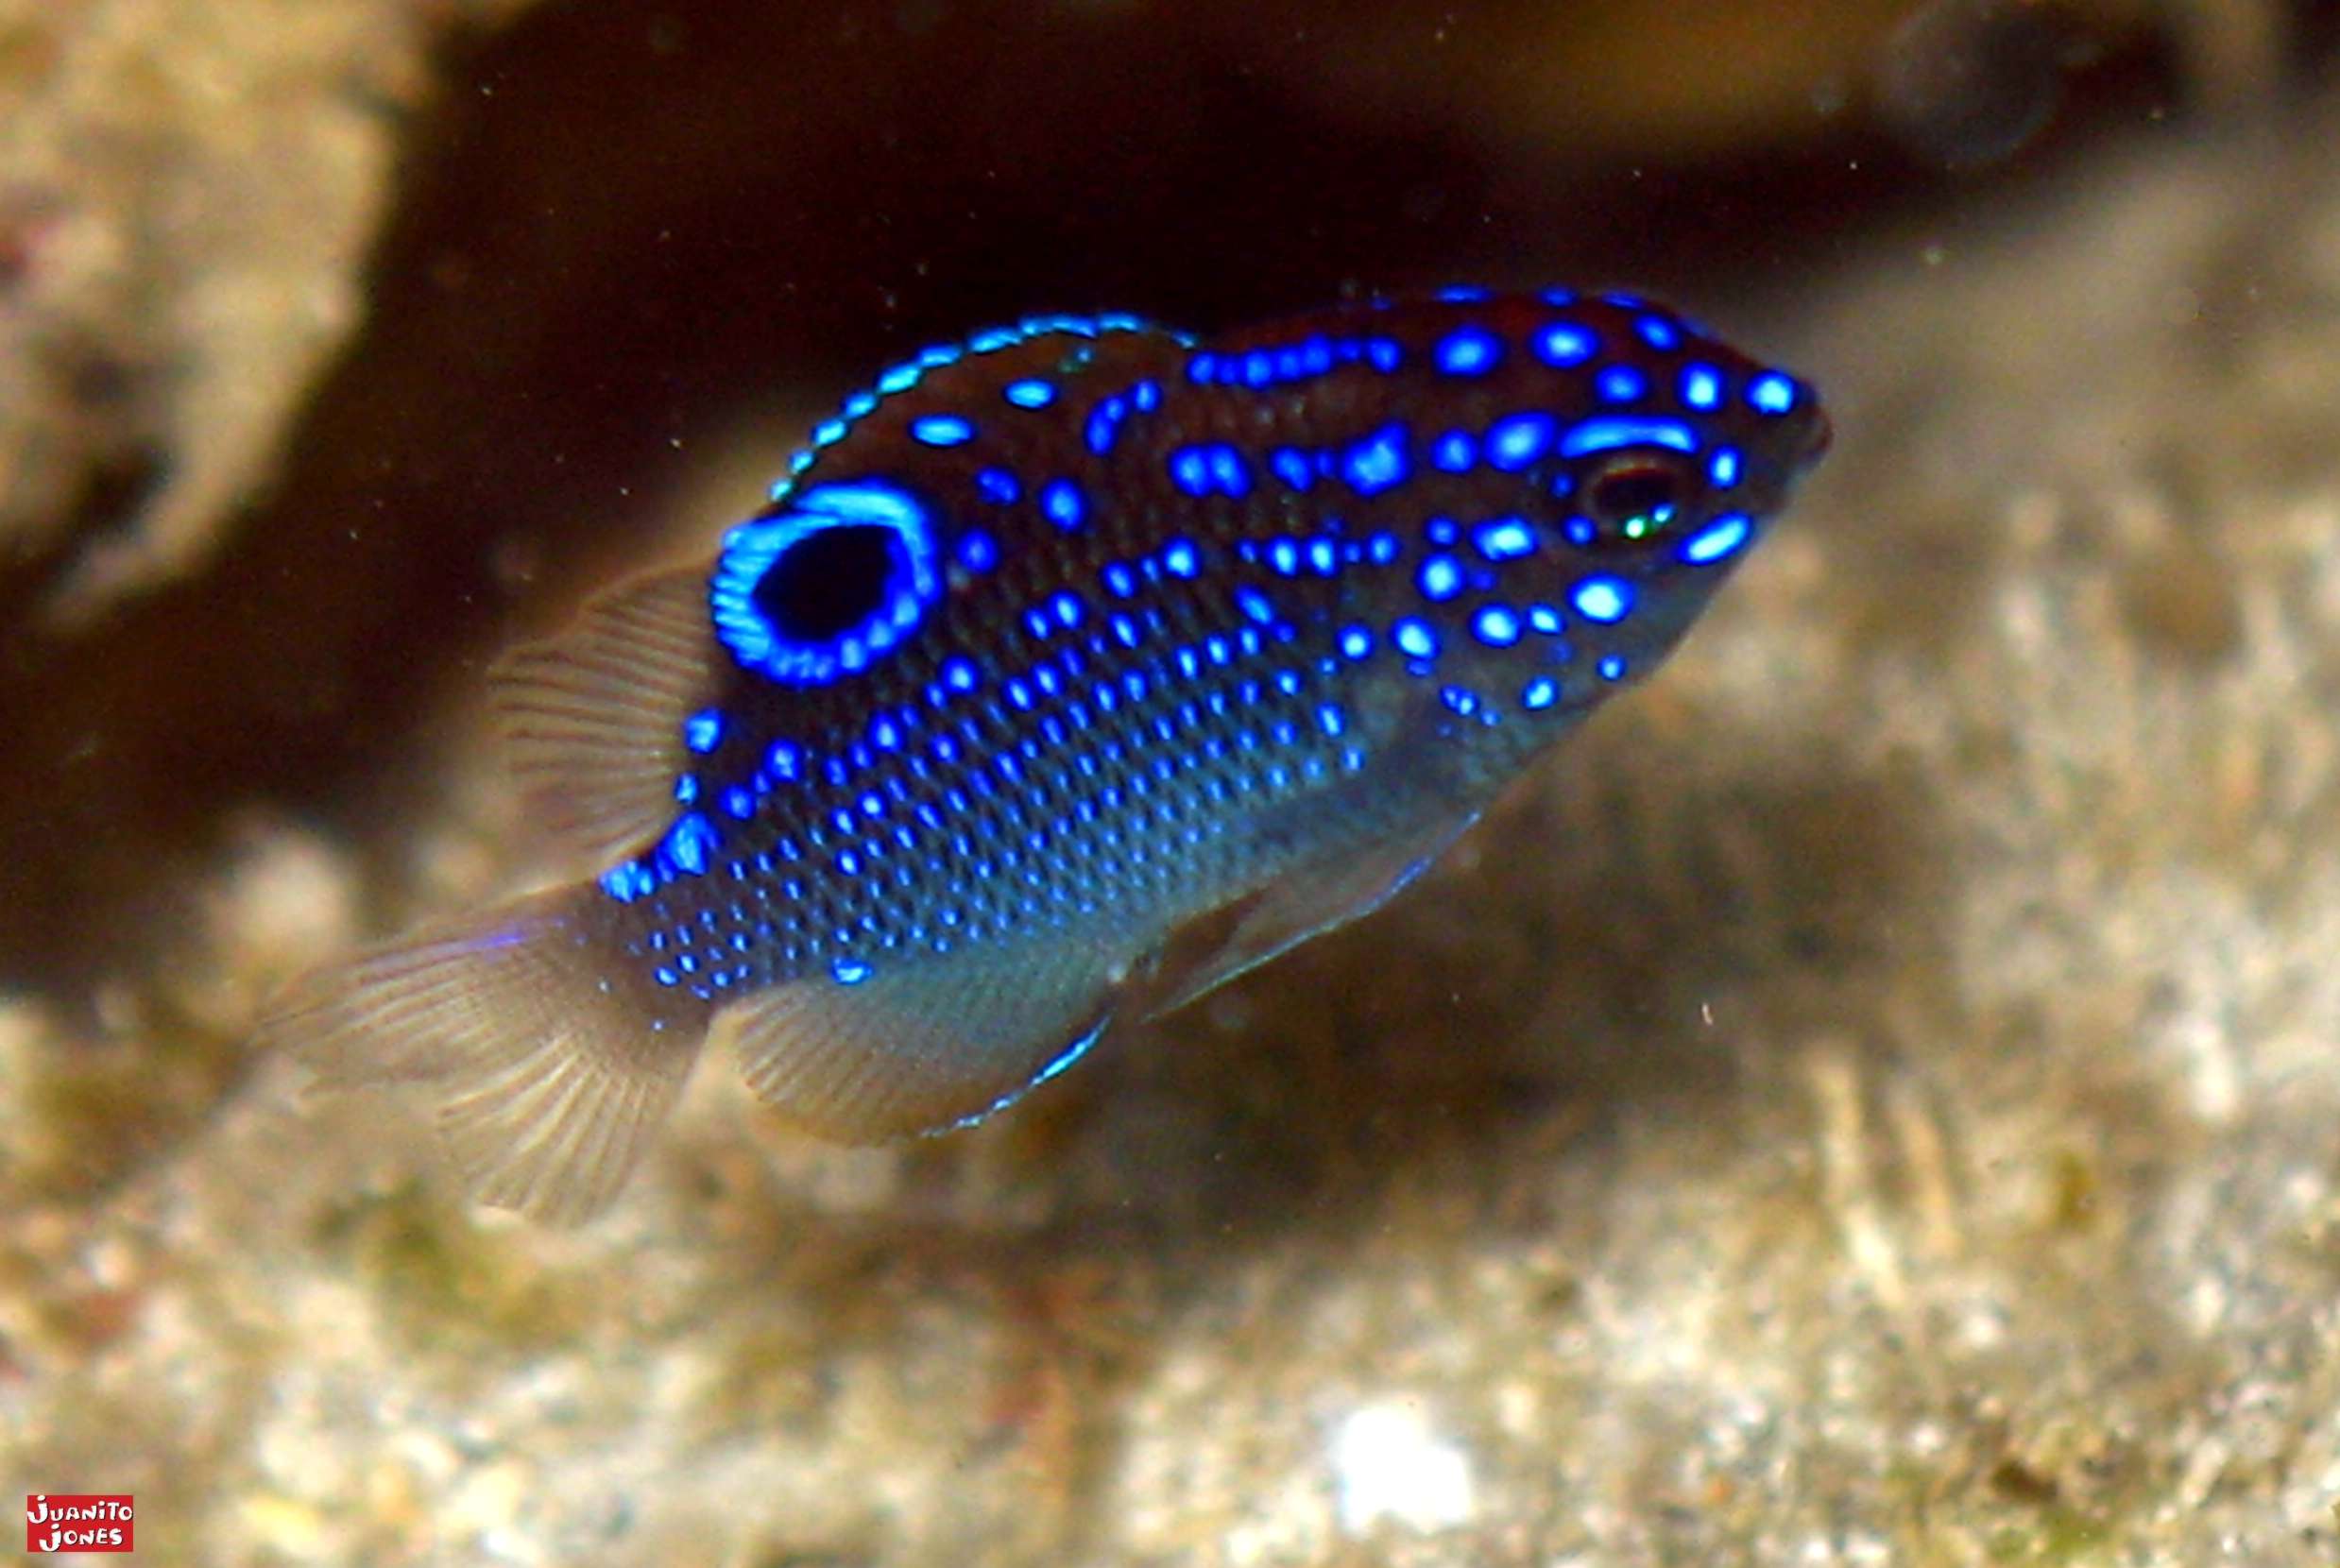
[{"x": 78, "y": 1521}]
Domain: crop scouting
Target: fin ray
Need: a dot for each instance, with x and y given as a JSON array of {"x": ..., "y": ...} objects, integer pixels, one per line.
[
  {"x": 933, "y": 1044},
  {"x": 592, "y": 717},
  {"x": 548, "y": 1069}
]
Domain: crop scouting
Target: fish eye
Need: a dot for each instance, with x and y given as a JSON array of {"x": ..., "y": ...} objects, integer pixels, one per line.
[{"x": 1631, "y": 497}]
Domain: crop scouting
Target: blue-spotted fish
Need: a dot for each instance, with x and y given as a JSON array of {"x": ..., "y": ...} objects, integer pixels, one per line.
[{"x": 1072, "y": 671}]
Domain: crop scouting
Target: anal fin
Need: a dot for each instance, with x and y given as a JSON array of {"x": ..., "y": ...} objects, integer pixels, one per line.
[{"x": 927, "y": 1043}]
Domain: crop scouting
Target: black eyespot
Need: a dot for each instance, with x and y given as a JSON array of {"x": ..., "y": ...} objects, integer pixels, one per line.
[
  {"x": 826, "y": 583},
  {"x": 814, "y": 591},
  {"x": 1633, "y": 497}
]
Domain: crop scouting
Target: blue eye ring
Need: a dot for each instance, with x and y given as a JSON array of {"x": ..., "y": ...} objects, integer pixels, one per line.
[{"x": 901, "y": 587}]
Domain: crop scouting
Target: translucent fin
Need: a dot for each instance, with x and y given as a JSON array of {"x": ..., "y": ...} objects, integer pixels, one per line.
[
  {"x": 593, "y": 716},
  {"x": 548, "y": 1067},
  {"x": 935, "y": 1043},
  {"x": 1307, "y": 902}
]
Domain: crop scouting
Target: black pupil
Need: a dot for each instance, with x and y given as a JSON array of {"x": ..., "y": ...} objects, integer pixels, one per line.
[
  {"x": 828, "y": 583},
  {"x": 1633, "y": 504}
]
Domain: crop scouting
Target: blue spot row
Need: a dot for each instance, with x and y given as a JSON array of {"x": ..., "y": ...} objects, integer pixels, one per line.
[
  {"x": 1260, "y": 368},
  {"x": 1210, "y": 467}
]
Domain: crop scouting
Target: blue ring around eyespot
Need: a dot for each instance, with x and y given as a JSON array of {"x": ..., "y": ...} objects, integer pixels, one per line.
[{"x": 750, "y": 551}]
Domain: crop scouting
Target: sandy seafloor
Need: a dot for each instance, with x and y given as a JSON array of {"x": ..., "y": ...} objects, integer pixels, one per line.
[{"x": 1873, "y": 1100}]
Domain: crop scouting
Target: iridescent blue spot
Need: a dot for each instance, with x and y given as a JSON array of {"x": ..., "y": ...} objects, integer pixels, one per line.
[
  {"x": 1377, "y": 461},
  {"x": 1254, "y": 604},
  {"x": 1460, "y": 699},
  {"x": 1461, "y": 294},
  {"x": 1514, "y": 442},
  {"x": 1607, "y": 599},
  {"x": 628, "y": 882},
  {"x": 1383, "y": 355},
  {"x": 1068, "y": 609},
  {"x": 1324, "y": 556},
  {"x": 1611, "y": 668},
  {"x": 689, "y": 842},
  {"x": 1722, "y": 469},
  {"x": 739, "y": 802},
  {"x": 1228, "y": 471},
  {"x": 1504, "y": 539},
  {"x": 997, "y": 485},
  {"x": 1331, "y": 718},
  {"x": 1414, "y": 638},
  {"x": 1563, "y": 345},
  {"x": 1062, "y": 500},
  {"x": 703, "y": 732},
  {"x": 1146, "y": 396},
  {"x": 1181, "y": 559},
  {"x": 900, "y": 378},
  {"x": 1292, "y": 467},
  {"x": 959, "y": 674},
  {"x": 1620, "y": 383},
  {"x": 1544, "y": 619},
  {"x": 1119, "y": 581},
  {"x": 1382, "y": 548},
  {"x": 1497, "y": 625},
  {"x": 1718, "y": 538},
  {"x": 1701, "y": 387},
  {"x": 1658, "y": 332},
  {"x": 1539, "y": 693},
  {"x": 782, "y": 760},
  {"x": 1201, "y": 368},
  {"x": 1104, "y": 422},
  {"x": 1593, "y": 435},
  {"x": 1440, "y": 578},
  {"x": 687, "y": 789},
  {"x": 978, "y": 551},
  {"x": 1284, "y": 556},
  {"x": 1772, "y": 393},
  {"x": 1356, "y": 641},
  {"x": 1031, "y": 393},
  {"x": 942, "y": 430},
  {"x": 1453, "y": 453},
  {"x": 850, "y": 971},
  {"x": 1189, "y": 469},
  {"x": 1468, "y": 352}
]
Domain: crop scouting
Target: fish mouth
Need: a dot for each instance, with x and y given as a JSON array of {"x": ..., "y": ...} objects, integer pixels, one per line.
[{"x": 1818, "y": 437}]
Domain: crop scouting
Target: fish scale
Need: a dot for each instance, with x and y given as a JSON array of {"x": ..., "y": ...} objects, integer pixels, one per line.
[{"x": 1070, "y": 672}]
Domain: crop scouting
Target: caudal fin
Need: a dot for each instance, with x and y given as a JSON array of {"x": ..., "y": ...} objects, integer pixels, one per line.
[{"x": 548, "y": 1065}]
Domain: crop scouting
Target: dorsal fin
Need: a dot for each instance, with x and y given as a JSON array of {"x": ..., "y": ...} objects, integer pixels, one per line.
[{"x": 593, "y": 716}]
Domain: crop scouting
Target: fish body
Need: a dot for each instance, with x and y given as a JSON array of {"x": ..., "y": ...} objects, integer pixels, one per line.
[{"x": 1070, "y": 672}]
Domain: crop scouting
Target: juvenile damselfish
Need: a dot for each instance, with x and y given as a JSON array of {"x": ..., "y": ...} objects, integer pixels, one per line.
[{"x": 1071, "y": 671}]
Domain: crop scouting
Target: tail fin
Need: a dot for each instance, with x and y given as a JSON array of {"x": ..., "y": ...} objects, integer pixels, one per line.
[{"x": 549, "y": 1062}]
